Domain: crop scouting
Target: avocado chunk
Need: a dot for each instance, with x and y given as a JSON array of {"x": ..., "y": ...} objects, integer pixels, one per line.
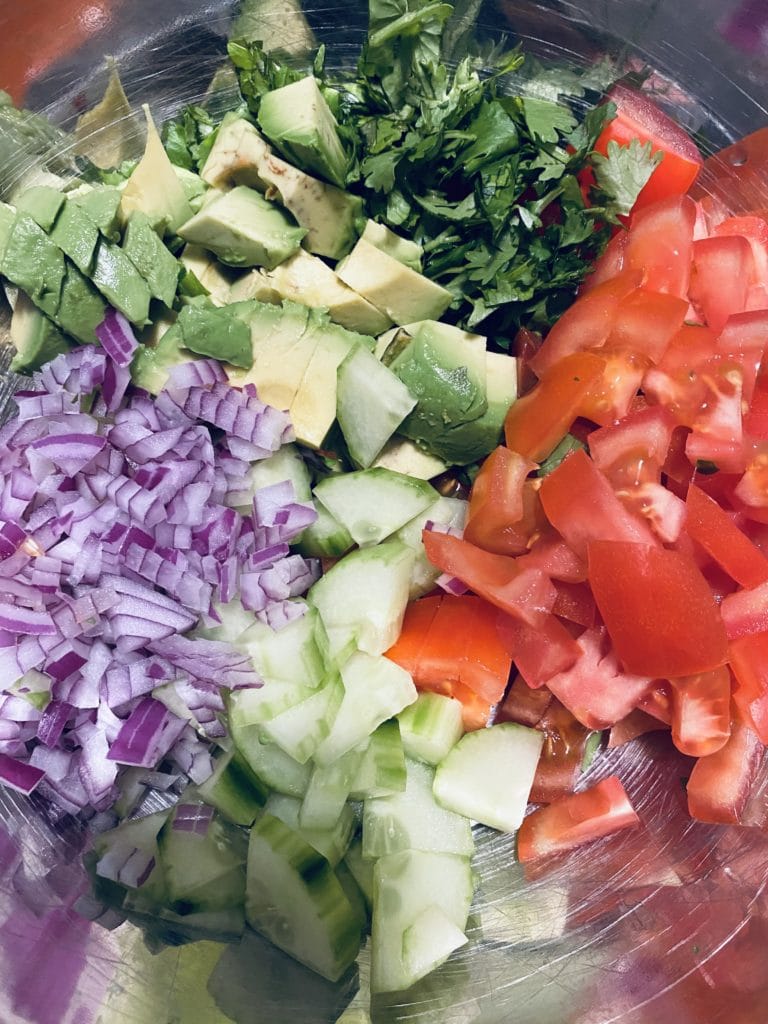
[
  {"x": 331, "y": 216},
  {"x": 77, "y": 236},
  {"x": 217, "y": 280},
  {"x": 154, "y": 187},
  {"x": 391, "y": 286},
  {"x": 402, "y": 249},
  {"x": 107, "y": 133},
  {"x": 102, "y": 205},
  {"x": 244, "y": 230},
  {"x": 402, "y": 455},
  {"x": 120, "y": 282},
  {"x": 236, "y": 154},
  {"x": 36, "y": 339},
  {"x": 298, "y": 120},
  {"x": 81, "y": 309},
  {"x": 157, "y": 356},
  {"x": 154, "y": 262},
  {"x": 308, "y": 280},
  {"x": 7, "y": 219},
  {"x": 42, "y": 203},
  {"x": 34, "y": 263},
  {"x": 445, "y": 369},
  {"x": 217, "y": 331}
]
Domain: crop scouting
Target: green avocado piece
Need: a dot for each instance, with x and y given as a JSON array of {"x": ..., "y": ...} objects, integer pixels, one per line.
[
  {"x": 120, "y": 282},
  {"x": 36, "y": 339},
  {"x": 81, "y": 309},
  {"x": 156, "y": 263},
  {"x": 217, "y": 331},
  {"x": 42, "y": 203},
  {"x": 298, "y": 120},
  {"x": 77, "y": 236},
  {"x": 402, "y": 249},
  {"x": 102, "y": 206},
  {"x": 7, "y": 217},
  {"x": 244, "y": 229},
  {"x": 34, "y": 263},
  {"x": 151, "y": 363},
  {"x": 444, "y": 368}
]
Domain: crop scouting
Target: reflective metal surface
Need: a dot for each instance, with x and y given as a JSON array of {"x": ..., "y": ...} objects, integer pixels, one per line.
[{"x": 668, "y": 925}]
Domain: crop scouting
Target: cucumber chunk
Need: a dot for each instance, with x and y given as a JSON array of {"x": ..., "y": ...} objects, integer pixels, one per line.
[
  {"x": 332, "y": 842},
  {"x": 276, "y": 769},
  {"x": 431, "y": 727},
  {"x": 382, "y": 768},
  {"x": 300, "y": 729},
  {"x": 234, "y": 790}
]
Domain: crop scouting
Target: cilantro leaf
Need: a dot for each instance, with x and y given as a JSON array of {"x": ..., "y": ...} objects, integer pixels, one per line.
[
  {"x": 185, "y": 136},
  {"x": 546, "y": 119},
  {"x": 622, "y": 174}
]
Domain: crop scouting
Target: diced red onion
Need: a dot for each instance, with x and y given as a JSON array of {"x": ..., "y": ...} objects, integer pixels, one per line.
[
  {"x": 451, "y": 584},
  {"x": 147, "y": 735},
  {"x": 452, "y": 531},
  {"x": 53, "y": 721},
  {"x": 24, "y": 778},
  {"x": 195, "y": 818},
  {"x": 117, "y": 337}
]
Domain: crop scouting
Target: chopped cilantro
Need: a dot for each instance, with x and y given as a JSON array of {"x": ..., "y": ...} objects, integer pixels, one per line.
[{"x": 624, "y": 171}]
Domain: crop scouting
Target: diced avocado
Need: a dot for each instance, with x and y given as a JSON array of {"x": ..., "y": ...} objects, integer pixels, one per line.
[
  {"x": 371, "y": 403},
  {"x": 298, "y": 120},
  {"x": 218, "y": 332},
  {"x": 7, "y": 218},
  {"x": 151, "y": 364},
  {"x": 287, "y": 25},
  {"x": 107, "y": 134},
  {"x": 445, "y": 368},
  {"x": 236, "y": 154},
  {"x": 391, "y": 343},
  {"x": 120, "y": 282},
  {"x": 310, "y": 281},
  {"x": 154, "y": 262},
  {"x": 154, "y": 187},
  {"x": 332, "y": 217},
  {"x": 194, "y": 186},
  {"x": 404, "y": 456},
  {"x": 102, "y": 204},
  {"x": 81, "y": 309},
  {"x": 215, "y": 278},
  {"x": 473, "y": 441},
  {"x": 77, "y": 236},
  {"x": 34, "y": 263},
  {"x": 283, "y": 347},
  {"x": 42, "y": 203},
  {"x": 403, "y": 249},
  {"x": 395, "y": 289},
  {"x": 36, "y": 339},
  {"x": 244, "y": 230}
]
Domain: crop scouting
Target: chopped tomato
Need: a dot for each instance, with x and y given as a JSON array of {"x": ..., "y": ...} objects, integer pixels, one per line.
[
  {"x": 746, "y": 611},
  {"x": 719, "y": 786},
  {"x": 609, "y": 265},
  {"x": 658, "y": 609},
  {"x": 663, "y": 510},
  {"x": 755, "y": 230},
  {"x": 611, "y": 397},
  {"x": 661, "y": 244},
  {"x": 524, "y": 347},
  {"x": 596, "y": 690},
  {"x": 742, "y": 344},
  {"x": 636, "y": 723},
  {"x": 658, "y": 702},
  {"x": 575, "y": 603},
  {"x": 537, "y": 422},
  {"x": 722, "y": 270},
  {"x": 638, "y": 117},
  {"x": 679, "y": 381},
  {"x": 633, "y": 450},
  {"x": 453, "y": 639},
  {"x": 723, "y": 541},
  {"x": 562, "y": 757},
  {"x": 717, "y": 433},
  {"x": 752, "y": 489},
  {"x": 581, "y": 505},
  {"x": 735, "y": 176},
  {"x": 749, "y": 663},
  {"x": 524, "y": 704},
  {"x": 496, "y": 504},
  {"x": 587, "y": 324},
  {"x": 552, "y": 555},
  {"x": 645, "y": 323},
  {"x": 576, "y": 819},
  {"x": 542, "y": 652},
  {"x": 475, "y": 712},
  {"x": 701, "y": 712},
  {"x": 525, "y": 593}
]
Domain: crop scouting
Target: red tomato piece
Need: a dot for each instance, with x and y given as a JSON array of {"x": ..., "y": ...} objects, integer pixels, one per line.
[
  {"x": 496, "y": 504},
  {"x": 701, "y": 712},
  {"x": 552, "y": 555},
  {"x": 475, "y": 712},
  {"x": 596, "y": 690},
  {"x": 581, "y": 505},
  {"x": 755, "y": 230},
  {"x": 735, "y": 176},
  {"x": 717, "y": 433},
  {"x": 746, "y": 611},
  {"x": 661, "y": 245},
  {"x": 646, "y": 322},
  {"x": 612, "y": 396},
  {"x": 524, "y": 704},
  {"x": 756, "y": 417},
  {"x": 539, "y": 653},
  {"x": 538, "y": 421},
  {"x": 722, "y": 270},
  {"x": 636, "y": 723},
  {"x": 576, "y": 819},
  {"x": 525, "y": 593},
  {"x": 742, "y": 344},
  {"x": 633, "y": 450},
  {"x": 749, "y": 663},
  {"x": 658, "y": 702},
  {"x": 658, "y": 609},
  {"x": 609, "y": 265},
  {"x": 679, "y": 381},
  {"x": 752, "y": 490},
  {"x": 587, "y": 324},
  {"x": 575, "y": 603},
  {"x": 660, "y": 507},
  {"x": 723, "y": 541},
  {"x": 638, "y": 117},
  {"x": 719, "y": 785},
  {"x": 562, "y": 757},
  {"x": 524, "y": 347}
]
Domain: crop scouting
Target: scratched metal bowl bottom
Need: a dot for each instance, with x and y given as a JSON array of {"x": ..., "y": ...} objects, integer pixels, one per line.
[{"x": 664, "y": 926}]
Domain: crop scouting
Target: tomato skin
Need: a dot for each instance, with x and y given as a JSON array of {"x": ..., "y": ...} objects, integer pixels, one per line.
[
  {"x": 658, "y": 609},
  {"x": 645, "y": 323},
  {"x": 722, "y": 269},
  {"x": 538, "y": 421},
  {"x": 701, "y": 712},
  {"x": 587, "y": 324},
  {"x": 496, "y": 504},
  {"x": 723, "y": 541},
  {"x": 595, "y": 690},
  {"x": 639, "y": 118},
  {"x": 755, "y": 231},
  {"x": 658, "y": 702},
  {"x": 525, "y": 593},
  {"x": 719, "y": 785},
  {"x": 539, "y": 653},
  {"x": 562, "y": 756},
  {"x": 575, "y": 603},
  {"x": 581, "y": 505},
  {"x": 553, "y": 556},
  {"x": 661, "y": 244},
  {"x": 576, "y": 819},
  {"x": 609, "y": 265}
]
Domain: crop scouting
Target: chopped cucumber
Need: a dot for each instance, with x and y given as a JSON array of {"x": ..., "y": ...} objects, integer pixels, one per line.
[
  {"x": 268, "y": 762},
  {"x": 361, "y": 869},
  {"x": 326, "y": 537},
  {"x": 285, "y": 464},
  {"x": 328, "y": 790},
  {"x": 449, "y": 512},
  {"x": 375, "y": 689},
  {"x": 234, "y": 620},
  {"x": 413, "y": 820},
  {"x": 382, "y": 768},
  {"x": 300, "y": 729},
  {"x": 332, "y": 842},
  {"x": 234, "y": 790},
  {"x": 431, "y": 727},
  {"x": 373, "y": 503},
  {"x": 294, "y": 899},
  {"x": 293, "y": 654},
  {"x": 489, "y": 773},
  {"x": 429, "y": 941}
]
